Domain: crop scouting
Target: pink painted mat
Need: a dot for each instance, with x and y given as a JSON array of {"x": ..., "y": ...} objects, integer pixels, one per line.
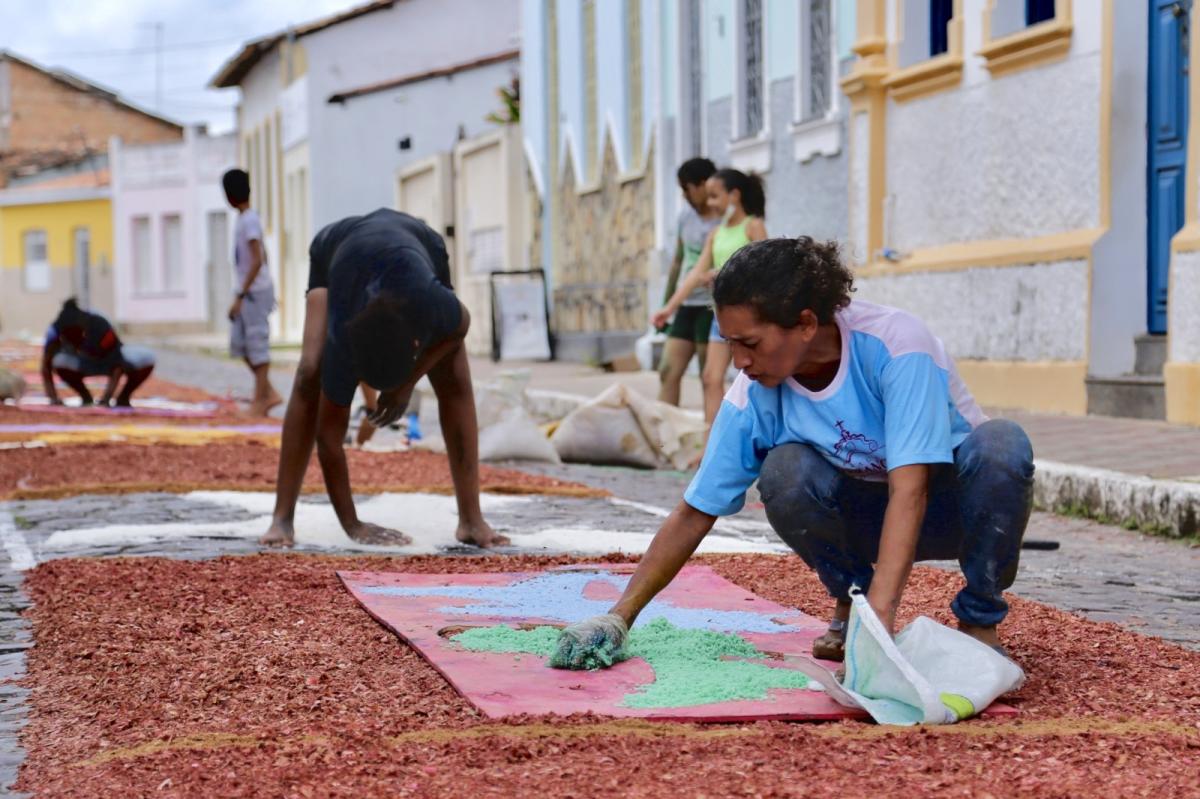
[{"x": 426, "y": 609}]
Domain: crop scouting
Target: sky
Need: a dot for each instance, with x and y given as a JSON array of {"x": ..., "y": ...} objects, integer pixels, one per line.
[{"x": 112, "y": 43}]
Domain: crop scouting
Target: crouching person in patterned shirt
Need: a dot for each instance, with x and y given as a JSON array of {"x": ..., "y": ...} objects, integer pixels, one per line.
[
  {"x": 869, "y": 451},
  {"x": 82, "y": 344}
]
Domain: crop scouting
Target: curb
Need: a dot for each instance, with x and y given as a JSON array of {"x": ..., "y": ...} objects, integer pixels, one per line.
[{"x": 1163, "y": 507}]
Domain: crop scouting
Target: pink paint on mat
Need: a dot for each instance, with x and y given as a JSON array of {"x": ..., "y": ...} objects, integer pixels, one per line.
[{"x": 502, "y": 685}]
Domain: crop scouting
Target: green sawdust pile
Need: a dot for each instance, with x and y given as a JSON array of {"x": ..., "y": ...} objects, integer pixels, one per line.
[{"x": 691, "y": 667}]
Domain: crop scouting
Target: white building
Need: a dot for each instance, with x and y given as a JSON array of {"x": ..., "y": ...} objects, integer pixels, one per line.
[
  {"x": 332, "y": 110},
  {"x": 618, "y": 94},
  {"x": 172, "y": 233}
]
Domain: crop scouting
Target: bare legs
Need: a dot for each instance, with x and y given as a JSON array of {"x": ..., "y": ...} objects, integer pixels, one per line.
[
  {"x": 265, "y": 395},
  {"x": 677, "y": 354}
]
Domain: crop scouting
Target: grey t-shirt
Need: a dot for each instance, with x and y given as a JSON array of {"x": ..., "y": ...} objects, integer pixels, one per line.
[
  {"x": 248, "y": 229},
  {"x": 693, "y": 232}
]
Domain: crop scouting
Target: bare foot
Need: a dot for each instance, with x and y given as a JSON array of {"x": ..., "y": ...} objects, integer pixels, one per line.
[
  {"x": 481, "y": 535},
  {"x": 986, "y": 635},
  {"x": 367, "y": 533},
  {"x": 281, "y": 534},
  {"x": 263, "y": 408}
]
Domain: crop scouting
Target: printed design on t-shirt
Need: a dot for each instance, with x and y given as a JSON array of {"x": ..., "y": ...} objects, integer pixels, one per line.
[{"x": 856, "y": 451}]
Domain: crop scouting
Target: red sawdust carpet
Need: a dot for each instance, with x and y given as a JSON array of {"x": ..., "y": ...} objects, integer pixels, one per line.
[
  {"x": 260, "y": 676},
  {"x": 49, "y": 472}
]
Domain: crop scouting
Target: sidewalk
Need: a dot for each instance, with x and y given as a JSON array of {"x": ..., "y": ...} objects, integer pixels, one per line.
[
  {"x": 1135, "y": 473},
  {"x": 1139, "y": 474}
]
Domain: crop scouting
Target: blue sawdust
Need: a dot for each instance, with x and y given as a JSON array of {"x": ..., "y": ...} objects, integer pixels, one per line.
[{"x": 559, "y": 596}]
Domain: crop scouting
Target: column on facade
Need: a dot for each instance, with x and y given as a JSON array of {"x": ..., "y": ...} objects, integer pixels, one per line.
[{"x": 864, "y": 87}]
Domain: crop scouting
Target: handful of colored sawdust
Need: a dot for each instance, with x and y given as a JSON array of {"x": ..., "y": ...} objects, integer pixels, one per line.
[
  {"x": 595, "y": 643},
  {"x": 691, "y": 667}
]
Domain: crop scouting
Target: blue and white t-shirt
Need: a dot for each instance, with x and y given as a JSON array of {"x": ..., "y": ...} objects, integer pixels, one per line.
[{"x": 896, "y": 400}]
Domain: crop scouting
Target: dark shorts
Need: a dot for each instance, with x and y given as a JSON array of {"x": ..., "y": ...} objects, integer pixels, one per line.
[{"x": 691, "y": 323}]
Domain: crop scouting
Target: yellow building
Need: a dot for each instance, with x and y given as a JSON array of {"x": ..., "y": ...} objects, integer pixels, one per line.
[{"x": 55, "y": 242}]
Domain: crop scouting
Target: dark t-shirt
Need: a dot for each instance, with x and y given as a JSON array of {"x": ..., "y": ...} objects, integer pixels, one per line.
[
  {"x": 361, "y": 257},
  {"x": 99, "y": 342}
]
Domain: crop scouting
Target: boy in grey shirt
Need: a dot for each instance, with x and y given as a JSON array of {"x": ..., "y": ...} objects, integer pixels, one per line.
[{"x": 249, "y": 333}]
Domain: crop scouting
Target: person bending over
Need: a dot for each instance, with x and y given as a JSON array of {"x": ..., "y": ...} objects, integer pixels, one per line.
[
  {"x": 380, "y": 310},
  {"x": 869, "y": 451},
  {"x": 82, "y": 344}
]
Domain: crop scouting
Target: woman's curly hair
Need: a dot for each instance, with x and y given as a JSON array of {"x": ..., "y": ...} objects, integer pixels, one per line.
[{"x": 779, "y": 278}]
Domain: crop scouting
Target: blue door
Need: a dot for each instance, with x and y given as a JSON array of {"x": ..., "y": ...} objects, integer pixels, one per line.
[{"x": 1167, "y": 158}]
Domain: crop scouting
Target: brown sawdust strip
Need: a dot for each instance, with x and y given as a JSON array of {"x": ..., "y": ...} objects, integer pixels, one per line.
[
  {"x": 54, "y": 472},
  {"x": 260, "y": 676}
]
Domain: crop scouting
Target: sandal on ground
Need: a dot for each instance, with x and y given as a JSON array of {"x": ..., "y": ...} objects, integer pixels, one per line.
[{"x": 831, "y": 645}]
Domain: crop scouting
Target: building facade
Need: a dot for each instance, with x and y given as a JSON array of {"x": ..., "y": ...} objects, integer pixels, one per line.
[
  {"x": 55, "y": 210},
  {"x": 55, "y": 243},
  {"x": 173, "y": 234},
  {"x": 617, "y": 95},
  {"x": 50, "y": 117},
  {"x": 1182, "y": 371},
  {"x": 331, "y": 110},
  {"x": 1017, "y": 174}
]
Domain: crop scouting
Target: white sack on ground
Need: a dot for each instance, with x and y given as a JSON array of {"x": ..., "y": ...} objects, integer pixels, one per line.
[
  {"x": 622, "y": 427},
  {"x": 506, "y": 430},
  {"x": 12, "y": 385}
]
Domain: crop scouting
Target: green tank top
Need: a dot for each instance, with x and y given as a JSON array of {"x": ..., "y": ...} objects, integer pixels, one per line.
[{"x": 727, "y": 240}]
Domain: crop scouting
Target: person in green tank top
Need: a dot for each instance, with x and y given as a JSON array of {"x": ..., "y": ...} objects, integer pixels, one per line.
[{"x": 741, "y": 201}]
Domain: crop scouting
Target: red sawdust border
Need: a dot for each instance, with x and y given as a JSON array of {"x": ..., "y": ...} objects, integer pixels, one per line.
[{"x": 259, "y": 675}]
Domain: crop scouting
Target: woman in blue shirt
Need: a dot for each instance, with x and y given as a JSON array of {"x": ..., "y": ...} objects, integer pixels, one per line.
[{"x": 869, "y": 451}]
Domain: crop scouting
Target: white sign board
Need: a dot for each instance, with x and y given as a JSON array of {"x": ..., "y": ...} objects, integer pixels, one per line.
[{"x": 522, "y": 329}]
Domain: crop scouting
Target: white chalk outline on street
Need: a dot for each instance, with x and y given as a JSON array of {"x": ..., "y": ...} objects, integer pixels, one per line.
[
  {"x": 429, "y": 519},
  {"x": 19, "y": 554}
]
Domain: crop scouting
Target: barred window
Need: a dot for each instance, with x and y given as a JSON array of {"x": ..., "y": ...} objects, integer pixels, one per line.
[
  {"x": 752, "y": 52},
  {"x": 820, "y": 59},
  {"x": 695, "y": 87}
]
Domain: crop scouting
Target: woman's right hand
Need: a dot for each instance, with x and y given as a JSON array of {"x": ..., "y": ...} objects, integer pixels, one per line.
[{"x": 661, "y": 317}]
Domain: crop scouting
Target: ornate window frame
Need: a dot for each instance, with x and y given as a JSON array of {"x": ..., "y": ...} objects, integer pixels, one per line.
[
  {"x": 750, "y": 151},
  {"x": 691, "y": 129},
  {"x": 817, "y": 131},
  {"x": 931, "y": 75}
]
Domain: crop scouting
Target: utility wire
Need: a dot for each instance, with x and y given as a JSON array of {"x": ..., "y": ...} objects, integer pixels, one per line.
[{"x": 166, "y": 48}]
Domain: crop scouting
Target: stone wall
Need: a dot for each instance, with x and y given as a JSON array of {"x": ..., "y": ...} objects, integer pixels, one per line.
[
  {"x": 533, "y": 214},
  {"x": 603, "y": 251}
]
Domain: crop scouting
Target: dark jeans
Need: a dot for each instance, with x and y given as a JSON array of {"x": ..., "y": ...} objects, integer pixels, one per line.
[{"x": 977, "y": 511}]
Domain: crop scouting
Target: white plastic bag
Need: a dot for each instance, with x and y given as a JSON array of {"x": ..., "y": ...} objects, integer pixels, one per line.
[{"x": 930, "y": 674}]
